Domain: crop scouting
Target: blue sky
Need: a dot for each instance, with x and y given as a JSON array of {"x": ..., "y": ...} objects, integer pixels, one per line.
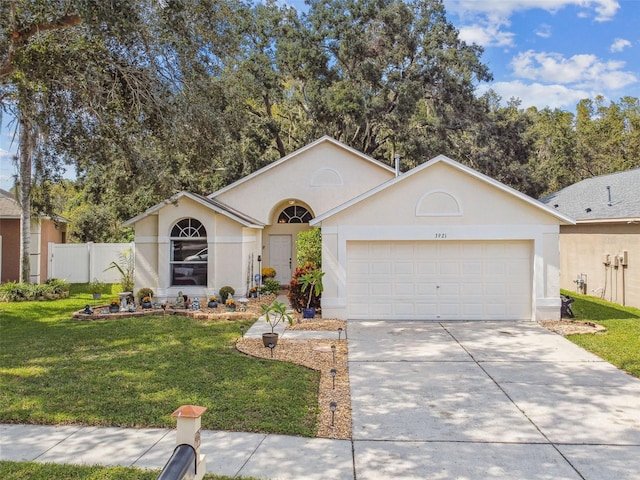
[{"x": 545, "y": 52}]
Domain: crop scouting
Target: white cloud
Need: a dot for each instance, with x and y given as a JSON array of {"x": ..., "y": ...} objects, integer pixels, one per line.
[
  {"x": 539, "y": 95},
  {"x": 619, "y": 44},
  {"x": 603, "y": 9},
  {"x": 584, "y": 71},
  {"x": 487, "y": 34},
  {"x": 544, "y": 30},
  {"x": 484, "y": 22}
]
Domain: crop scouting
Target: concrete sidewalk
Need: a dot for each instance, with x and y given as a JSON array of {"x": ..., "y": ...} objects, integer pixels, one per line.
[{"x": 228, "y": 453}]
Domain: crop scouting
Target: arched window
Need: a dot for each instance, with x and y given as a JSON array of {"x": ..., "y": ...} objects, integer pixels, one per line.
[
  {"x": 189, "y": 253},
  {"x": 295, "y": 214}
]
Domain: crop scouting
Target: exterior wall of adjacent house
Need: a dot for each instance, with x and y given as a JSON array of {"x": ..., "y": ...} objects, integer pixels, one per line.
[
  {"x": 43, "y": 231},
  {"x": 10, "y": 233},
  {"x": 583, "y": 248},
  {"x": 444, "y": 204},
  {"x": 50, "y": 232}
]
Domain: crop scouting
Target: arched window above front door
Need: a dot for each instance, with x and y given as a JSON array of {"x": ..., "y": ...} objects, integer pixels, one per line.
[
  {"x": 295, "y": 214},
  {"x": 189, "y": 253}
]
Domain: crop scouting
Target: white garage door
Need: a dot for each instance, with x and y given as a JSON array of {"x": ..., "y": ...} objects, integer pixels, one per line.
[{"x": 441, "y": 280}]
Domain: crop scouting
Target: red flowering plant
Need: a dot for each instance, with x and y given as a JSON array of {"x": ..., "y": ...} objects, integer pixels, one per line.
[{"x": 297, "y": 297}]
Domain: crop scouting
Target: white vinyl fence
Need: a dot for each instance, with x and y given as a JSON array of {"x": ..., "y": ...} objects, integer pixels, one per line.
[{"x": 82, "y": 262}]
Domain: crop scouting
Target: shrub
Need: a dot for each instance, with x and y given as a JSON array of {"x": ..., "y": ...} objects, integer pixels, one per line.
[
  {"x": 297, "y": 297},
  {"x": 270, "y": 286},
  {"x": 19, "y": 292},
  {"x": 226, "y": 291},
  {"x": 144, "y": 292},
  {"x": 12, "y": 292},
  {"x": 309, "y": 247}
]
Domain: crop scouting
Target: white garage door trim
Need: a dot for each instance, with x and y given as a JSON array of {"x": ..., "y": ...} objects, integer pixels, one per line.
[{"x": 439, "y": 280}]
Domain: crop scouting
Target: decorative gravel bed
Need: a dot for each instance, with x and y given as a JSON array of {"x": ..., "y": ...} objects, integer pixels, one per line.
[
  {"x": 318, "y": 355},
  {"x": 572, "y": 327}
]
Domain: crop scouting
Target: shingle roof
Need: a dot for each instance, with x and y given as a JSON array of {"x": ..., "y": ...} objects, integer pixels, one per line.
[
  {"x": 9, "y": 207},
  {"x": 607, "y": 197}
]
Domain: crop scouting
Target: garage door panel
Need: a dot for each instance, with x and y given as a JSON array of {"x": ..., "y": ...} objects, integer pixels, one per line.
[
  {"x": 439, "y": 280},
  {"x": 381, "y": 268},
  {"x": 404, "y": 289}
]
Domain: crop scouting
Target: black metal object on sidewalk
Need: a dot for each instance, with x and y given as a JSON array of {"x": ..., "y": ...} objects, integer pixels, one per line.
[{"x": 181, "y": 465}]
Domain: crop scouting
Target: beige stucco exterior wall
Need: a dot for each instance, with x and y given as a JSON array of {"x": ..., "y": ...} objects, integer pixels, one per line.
[
  {"x": 230, "y": 246},
  {"x": 442, "y": 203},
  {"x": 582, "y": 248},
  {"x": 322, "y": 177}
]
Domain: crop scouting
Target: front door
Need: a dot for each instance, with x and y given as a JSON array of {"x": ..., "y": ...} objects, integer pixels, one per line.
[{"x": 280, "y": 257}]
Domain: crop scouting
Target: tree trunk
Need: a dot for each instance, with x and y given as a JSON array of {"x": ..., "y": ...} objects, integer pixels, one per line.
[{"x": 26, "y": 152}]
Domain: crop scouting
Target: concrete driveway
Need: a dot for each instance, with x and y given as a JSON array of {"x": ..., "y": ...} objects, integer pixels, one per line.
[{"x": 477, "y": 400}]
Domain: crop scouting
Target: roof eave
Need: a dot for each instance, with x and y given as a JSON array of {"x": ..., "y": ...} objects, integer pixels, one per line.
[{"x": 196, "y": 198}]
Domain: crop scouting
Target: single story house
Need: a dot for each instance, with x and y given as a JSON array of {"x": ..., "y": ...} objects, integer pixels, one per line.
[
  {"x": 43, "y": 231},
  {"x": 440, "y": 242},
  {"x": 600, "y": 254}
]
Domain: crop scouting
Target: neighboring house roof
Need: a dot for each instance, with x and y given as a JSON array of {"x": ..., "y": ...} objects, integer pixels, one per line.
[
  {"x": 608, "y": 198},
  {"x": 212, "y": 204},
  {"x": 441, "y": 158},
  {"x": 10, "y": 208},
  {"x": 299, "y": 152}
]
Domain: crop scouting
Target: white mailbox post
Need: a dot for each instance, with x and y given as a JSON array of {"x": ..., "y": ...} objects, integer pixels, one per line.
[{"x": 188, "y": 432}]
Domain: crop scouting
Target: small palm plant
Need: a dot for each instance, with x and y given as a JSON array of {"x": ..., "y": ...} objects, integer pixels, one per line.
[{"x": 275, "y": 313}]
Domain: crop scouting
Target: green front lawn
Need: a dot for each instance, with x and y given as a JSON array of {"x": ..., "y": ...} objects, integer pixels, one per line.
[
  {"x": 136, "y": 372},
  {"x": 620, "y": 344},
  {"x": 50, "y": 471}
]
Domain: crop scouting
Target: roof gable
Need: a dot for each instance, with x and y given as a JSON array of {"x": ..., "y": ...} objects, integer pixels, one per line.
[
  {"x": 209, "y": 203},
  {"x": 442, "y": 197},
  {"x": 300, "y": 151}
]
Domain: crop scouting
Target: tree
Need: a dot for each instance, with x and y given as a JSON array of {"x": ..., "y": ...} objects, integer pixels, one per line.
[
  {"x": 72, "y": 72},
  {"x": 388, "y": 76}
]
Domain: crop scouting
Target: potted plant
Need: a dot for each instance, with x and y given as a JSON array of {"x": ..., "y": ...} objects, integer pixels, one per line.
[
  {"x": 273, "y": 314},
  {"x": 311, "y": 281},
  {"x": 143, "y": 293},
  {"x": 230, "y": 303},
  {"x": 146, "y": 302},
  {"x": 114, "y": 306},
  {"x": 213, "y": 302},
  {"x": 253, "y": 292},
  {"x": 96, "y": 288},
  {"x": 267, "y": 273}
]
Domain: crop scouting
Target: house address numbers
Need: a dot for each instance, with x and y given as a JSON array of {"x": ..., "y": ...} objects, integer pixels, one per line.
[{"x": 441, "y": 235}]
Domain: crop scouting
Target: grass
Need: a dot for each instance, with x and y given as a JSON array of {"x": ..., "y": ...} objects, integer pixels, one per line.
[
  {"x": 136, "y": 372},
  {"x": 620, "y": 344},
  {"x": 50, "y": 471}
]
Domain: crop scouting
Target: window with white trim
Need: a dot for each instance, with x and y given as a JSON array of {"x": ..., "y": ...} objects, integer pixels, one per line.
[{"x": 189, "y": 253}]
